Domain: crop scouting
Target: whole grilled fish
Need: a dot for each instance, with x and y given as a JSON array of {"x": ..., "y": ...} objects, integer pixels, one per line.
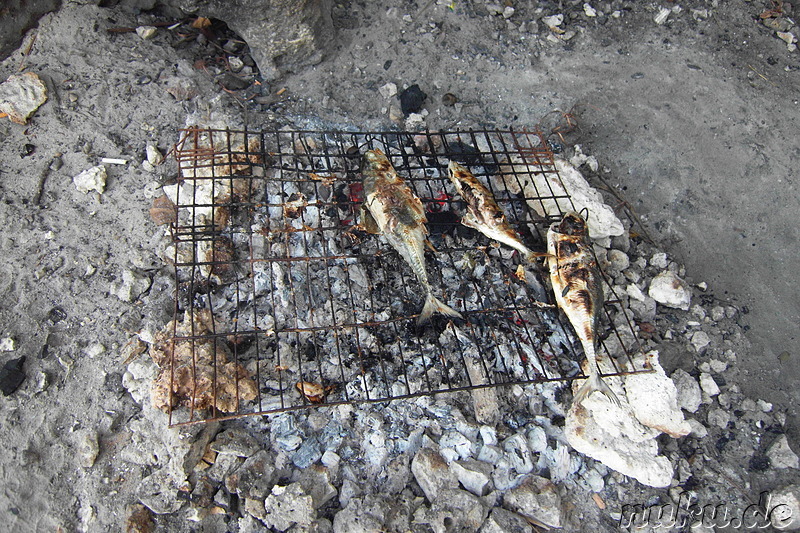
[
  {"x": 393, "y": 210},
  {"x": 578, "y": 289},
  {"x": 483, "y": 213}
]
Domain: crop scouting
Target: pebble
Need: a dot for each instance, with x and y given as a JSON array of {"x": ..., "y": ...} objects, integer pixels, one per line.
[
  {"x": 132, "y": 286},
  {"x": 700, "y": 340},
  {"x": 88, "y": 449},
  {"x": 95, "y": 349},
  {"x": 553, "y": 21},
  {"x": 146, "y": 32},
  {"x": 719, "y": 417},
  {"x": 235, "y": 63},
  {"x": 93, "y": 179},
  {"x": 388, "y": 90},
  {"x": 474, "y": 476},
  {"x": 659, "y": 261},
  {"x": 670, "y": 290},
  {"x": 589, "y": 11},
  {"x": 717, "y": 313},
  {"x": 508, "y": 12},
  {"x": 288, "y": 505},
  {"x": 153, "y": 154},
  {"x": 718, "y": 366},
  {"x": 689, "y": 394},
  {"x": 781, "y": 455},
  {"x": 617, "y": 261},
  {"x": 708, "y": 384},
  {"x": 8, "y": 344},
  {"x": 765, "y": 407}
]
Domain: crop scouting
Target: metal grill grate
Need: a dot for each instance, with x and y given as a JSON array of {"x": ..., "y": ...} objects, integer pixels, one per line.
[{"x": 283, "y": 303}]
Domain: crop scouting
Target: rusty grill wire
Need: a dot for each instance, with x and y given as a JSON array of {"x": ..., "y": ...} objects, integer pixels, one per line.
[{"x": 283, "y": 303}]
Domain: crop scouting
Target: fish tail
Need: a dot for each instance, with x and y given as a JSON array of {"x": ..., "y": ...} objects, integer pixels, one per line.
[
  {"x": 434, "y": 305},
  {"x": 596, "y": 383}
]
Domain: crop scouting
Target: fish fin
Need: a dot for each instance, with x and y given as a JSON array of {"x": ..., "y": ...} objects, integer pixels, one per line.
[
  {"x": 368, "y": 221},
  {"x": 596, "y": 383},
  {"x": 429, "y": 246},
  {"x": 469, "y": 220},
  {"x": 434, "y": 305},
  {"x": 530, "y": 257}
]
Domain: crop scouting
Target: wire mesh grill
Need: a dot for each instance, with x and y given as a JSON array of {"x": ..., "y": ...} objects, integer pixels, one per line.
[{"x": 284, "y": 303}]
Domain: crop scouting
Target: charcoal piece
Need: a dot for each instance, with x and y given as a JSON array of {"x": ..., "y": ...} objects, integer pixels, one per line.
[
  {"x": 470, "y": 156},
  {"x": 411, "y": 100},
  {"x": 56, "y": 315},
  {"x": 12, "y": 375}
]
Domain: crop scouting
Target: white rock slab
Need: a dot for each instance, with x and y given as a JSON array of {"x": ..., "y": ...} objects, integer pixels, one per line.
[{"x": 655, "y": 398}]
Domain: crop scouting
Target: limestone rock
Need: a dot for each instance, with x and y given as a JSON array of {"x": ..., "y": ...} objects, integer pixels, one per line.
[
  {"x": 235, "y": 441},
  {"x": 316, "y": 481},
  {"x": 670, "y": 290},
  {"x": 537, "y": 499},
  {"x": 92, "y": 179},
  {"x": 613, "y": 436},
  {"x": 474, "y": 476},
  {"x": 371, "y": 514},
  {"x": 689, "y": 394},
  {"x": 21, "y": 95},
  {"x": 132, "y": 286},
  {"x": 654, "y": 399},
  {"x": 432, "y": 473},
  {"x": 288, "y": 505},
  {"x": 781, "y": 455},
  {"x": 602, "y": 220},
  {"x": 708, "y": 384},
  {"x": 254, "y": 478},
  {"x": 283, "y": 35},
  {"x": 159, "y": 493},
  {"x": 456, "y": 510}
]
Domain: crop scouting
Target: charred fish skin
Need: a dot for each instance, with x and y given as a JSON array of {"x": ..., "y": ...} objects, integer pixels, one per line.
[
  {"x": 400, "y": 217},
  {"x": 577, "y": 285},
  {"x": 483, "y": 213}
]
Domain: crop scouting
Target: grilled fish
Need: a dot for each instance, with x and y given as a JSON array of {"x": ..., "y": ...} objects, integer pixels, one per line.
[
  {"x": 393, "y": 210},
  {"x": 483, "y": 213},
  {"x": 577, "y": 285}
]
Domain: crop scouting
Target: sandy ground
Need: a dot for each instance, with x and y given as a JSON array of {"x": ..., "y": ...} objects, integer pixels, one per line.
[{"x": 693, "y": 121}]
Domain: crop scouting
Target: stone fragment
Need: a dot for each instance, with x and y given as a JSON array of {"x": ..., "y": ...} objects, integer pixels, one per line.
[
  {"x": 308, "y": 453},
  {"x": 88, "y": 448},
  {"x": 146, "y": 32},
  {"x": 92, "y": 179},
  {"x": 330, "y": 459},
  {"x": 708, "y": 384},
  {"x": 588, "y": 10},
  {"x": 489, "y": 454},
  {"x": 254, "y": 478},
  {"x": 503, "y": 521},
  {"x": 784, "y": 512},
  {"x": 235, "y": 441},
  {"x": 617, "y": 261},
  {"x": 537, "y": 439},
  {"x": 283, "y": 35},
  {"x": 655, "y": 398},
  {"x": 689, "y": 394},
  {"x": 288, "y": 505},
  {"x": 537, "y": 499},
  {"x": 388, "y": 90},
  {"x": 700, "y": 340},
  {"x": 153, "y": 155},
  {"x": 553, "y": 21},
  {"x": 781, "y": 455},
  {"x": 670, "y": 290},
  {"x": 456, "y": 510},
  {"x": 316, "y": 482},
  {"x": 475, "y": 476},
  {"x": 719, "y": 418},
  {"x": 8, "y": 344},
  {"x": 432, "y": 473},
  {"x": 617, "y": 439},
  {"x": 132, "y": 286},
  {"x": 159, "y": 493},
  {"x": 698, "y": 430},
  {"x": 21, "y": 95}
]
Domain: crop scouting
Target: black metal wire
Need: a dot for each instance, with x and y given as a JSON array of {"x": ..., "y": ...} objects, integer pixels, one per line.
[{"x": 304, "y": 254}]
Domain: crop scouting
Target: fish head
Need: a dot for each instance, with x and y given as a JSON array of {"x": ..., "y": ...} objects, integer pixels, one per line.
[
  {"x": 375, "y": 158},
  {"x": 572, "y": 224}
]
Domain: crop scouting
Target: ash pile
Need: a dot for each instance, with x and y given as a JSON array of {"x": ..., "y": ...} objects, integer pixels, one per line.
[{"x": 284, "y": 305}]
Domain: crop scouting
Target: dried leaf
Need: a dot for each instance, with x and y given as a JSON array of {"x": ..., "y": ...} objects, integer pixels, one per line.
[
  {"x": 314, "y": 392},
  {"x": 163, "y": 211},
  {"x": 200, "y": 23}
]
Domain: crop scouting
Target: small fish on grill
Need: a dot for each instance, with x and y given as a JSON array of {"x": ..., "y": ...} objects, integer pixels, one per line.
[
  {"x": 578, "y": 290},
  {"x": 483, "y": 213},
  {"x": 392, "y": 209}
]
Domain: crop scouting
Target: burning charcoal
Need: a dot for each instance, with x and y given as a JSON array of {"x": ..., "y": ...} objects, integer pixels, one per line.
[
  {"x": 12, "y": 375},
  {"x": 308, "y": 453},
  {"x": 295, "y": 205},
  {"x": 27, "y": 149},
  {"x": 411, "y": 100}
]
